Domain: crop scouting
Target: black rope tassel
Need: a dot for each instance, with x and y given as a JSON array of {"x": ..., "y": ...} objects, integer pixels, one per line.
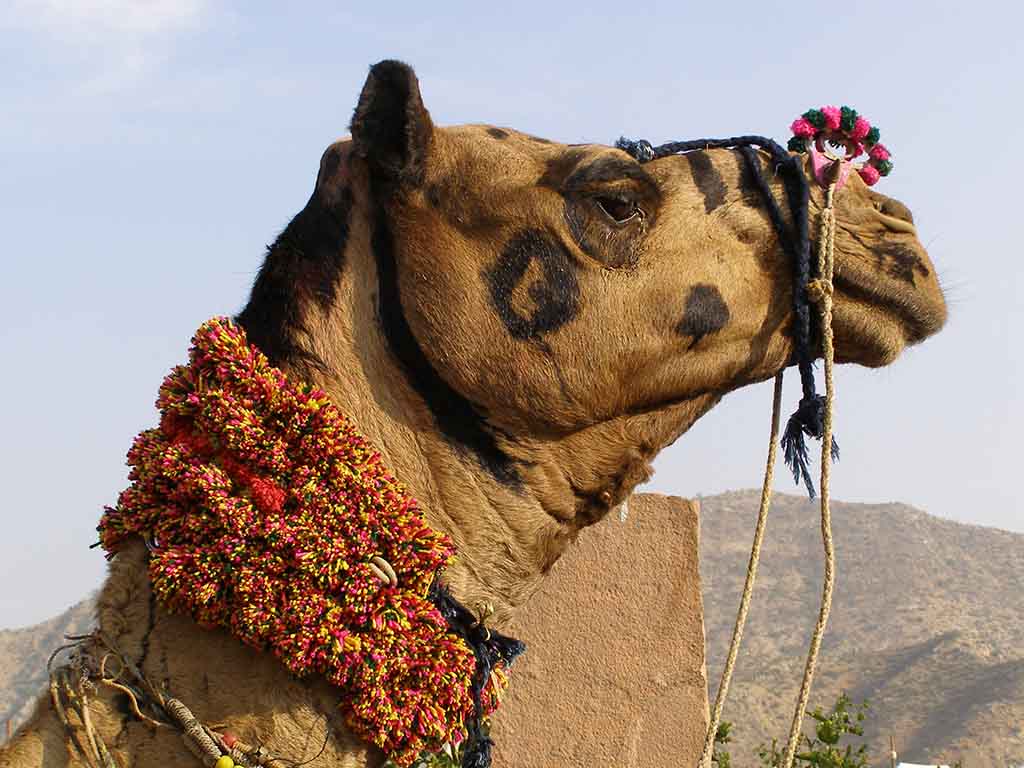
[
  {"x": 489, "y": 648},
  {"x": 809, "y": 417}
]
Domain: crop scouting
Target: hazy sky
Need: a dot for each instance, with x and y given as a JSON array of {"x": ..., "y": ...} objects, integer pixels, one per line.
[{"x": 150, "y": 150}]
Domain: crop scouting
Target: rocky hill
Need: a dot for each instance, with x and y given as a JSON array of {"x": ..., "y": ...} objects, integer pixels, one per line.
[
  {"x": 23, "y": 657},
  {"x": 928, "y": 624}
]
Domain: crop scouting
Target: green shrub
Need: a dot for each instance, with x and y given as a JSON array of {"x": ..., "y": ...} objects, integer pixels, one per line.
[
  {"x": 823, "y": 749},
  {"x": 720, "y": 757}
]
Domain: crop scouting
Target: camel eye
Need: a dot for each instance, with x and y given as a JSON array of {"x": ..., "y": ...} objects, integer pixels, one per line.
[{"x": 619, "y": 211}]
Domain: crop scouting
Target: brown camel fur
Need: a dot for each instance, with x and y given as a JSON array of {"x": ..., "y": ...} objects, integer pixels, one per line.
[{"x": 519, "y": 326}]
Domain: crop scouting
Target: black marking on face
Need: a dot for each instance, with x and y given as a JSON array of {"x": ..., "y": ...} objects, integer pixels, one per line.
[
  {"x": 707, "y": 178},
  {"x": 540, "y": 140},
  {"x": 304, "y": 263},
  {"x": 900, "y": 262},
  {"x": 706, "y": 312},
  {"x": 460, "y": 420},
  {"x": 497, "y": 133},
  {"x": 554, "y": 294}
]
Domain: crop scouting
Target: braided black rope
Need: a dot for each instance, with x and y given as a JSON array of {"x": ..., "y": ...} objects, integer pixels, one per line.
[
  {"x": 809, "y": 417},
  {"x": 489, "y": 648}
]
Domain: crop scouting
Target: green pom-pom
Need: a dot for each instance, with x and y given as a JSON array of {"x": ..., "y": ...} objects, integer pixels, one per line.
[
  {"x": 884, "y": 167},
  {"x": 873, "y": 136},
  {"x": 847, "y": 117},
  {"x": 797, "y": 144},
  {"x": 815, "y": 118}
]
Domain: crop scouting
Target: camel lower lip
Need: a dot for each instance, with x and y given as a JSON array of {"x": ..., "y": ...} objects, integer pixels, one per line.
[{"x": 915, "y": 326}]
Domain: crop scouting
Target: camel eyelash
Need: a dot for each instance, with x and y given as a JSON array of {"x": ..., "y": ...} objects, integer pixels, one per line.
[{"x": 619, "y": 209}]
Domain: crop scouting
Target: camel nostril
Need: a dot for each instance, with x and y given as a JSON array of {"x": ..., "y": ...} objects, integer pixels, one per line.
[{"x": 896, "y": 209}]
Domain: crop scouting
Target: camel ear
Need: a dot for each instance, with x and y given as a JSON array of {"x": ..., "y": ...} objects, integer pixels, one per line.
[{"x": 391, "y": 129}]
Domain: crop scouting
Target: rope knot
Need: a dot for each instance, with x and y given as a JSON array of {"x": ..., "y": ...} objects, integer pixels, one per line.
[{"x": 819, "y": 289}]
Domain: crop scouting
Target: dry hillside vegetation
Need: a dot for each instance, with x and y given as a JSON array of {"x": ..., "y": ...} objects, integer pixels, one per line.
[{"x": 928, "y": 624}]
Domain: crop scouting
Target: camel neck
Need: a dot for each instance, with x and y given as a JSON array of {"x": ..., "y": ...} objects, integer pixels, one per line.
[{"x": 504, "y": 539}]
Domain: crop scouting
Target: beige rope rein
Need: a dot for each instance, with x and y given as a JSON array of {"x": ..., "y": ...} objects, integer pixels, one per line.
[
  {"x": 820, "y": 293},
  {"x": 748, "y": 586}
]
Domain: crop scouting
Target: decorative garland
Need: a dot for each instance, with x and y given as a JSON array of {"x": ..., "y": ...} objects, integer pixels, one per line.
[
  {"x": 268, "y": 514},
  {"x": 842, "y": 125}
]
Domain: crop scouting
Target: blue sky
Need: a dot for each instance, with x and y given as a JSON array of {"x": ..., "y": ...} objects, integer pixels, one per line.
[{"x": 150, "y": 150}]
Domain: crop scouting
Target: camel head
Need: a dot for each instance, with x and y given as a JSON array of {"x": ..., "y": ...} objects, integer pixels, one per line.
[{"x": 555, "y": 314}]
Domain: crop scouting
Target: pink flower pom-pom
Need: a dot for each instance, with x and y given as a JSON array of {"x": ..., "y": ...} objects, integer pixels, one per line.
[
  {"x": 870, "y": 175},
  {"x": 802, "y": 127},
  {"x": 832, "y": 117},
  {"x": 879, "y": 152},
  {"x": 860, "y": 129},
  {"x": 858, "y": 149}
]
